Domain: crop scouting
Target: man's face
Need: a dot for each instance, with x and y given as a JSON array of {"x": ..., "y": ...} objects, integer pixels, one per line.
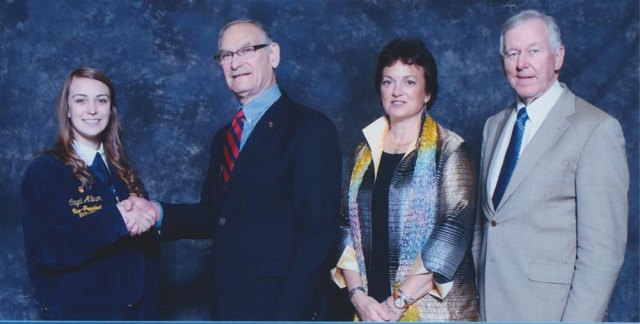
[
  {"x": 529, "y": 61},
  {"x": 249, "y": 75}
]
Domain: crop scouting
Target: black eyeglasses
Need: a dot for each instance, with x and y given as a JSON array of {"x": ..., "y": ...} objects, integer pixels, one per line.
[{"x": 225, "y": 57}]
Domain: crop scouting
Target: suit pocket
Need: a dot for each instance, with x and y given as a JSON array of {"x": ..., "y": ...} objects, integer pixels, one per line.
[{"x": 550, "y": 272}]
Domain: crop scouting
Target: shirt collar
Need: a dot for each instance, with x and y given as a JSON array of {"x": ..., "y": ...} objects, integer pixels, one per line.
[
  {"x": 256, "y": 107},
  {"x": 539, "y": 109},
  {"x": 374, "y": 134},
  {"x": 87, "y": 154}
]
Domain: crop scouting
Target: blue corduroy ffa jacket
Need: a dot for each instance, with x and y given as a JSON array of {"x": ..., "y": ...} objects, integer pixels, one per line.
[{"x": 80, "y": 257}]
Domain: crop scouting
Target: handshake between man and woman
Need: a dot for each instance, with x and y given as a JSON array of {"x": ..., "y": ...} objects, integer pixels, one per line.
[{"x": 139, "y": 214}]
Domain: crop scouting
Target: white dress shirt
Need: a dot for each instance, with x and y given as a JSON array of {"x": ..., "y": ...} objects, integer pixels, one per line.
[
  {"x": 87, "y": 154},
  {"x": 537, "y": 112}
]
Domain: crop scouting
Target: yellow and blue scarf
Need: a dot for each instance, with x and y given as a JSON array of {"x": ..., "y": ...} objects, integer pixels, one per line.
[{"x": 416, "y": 216}]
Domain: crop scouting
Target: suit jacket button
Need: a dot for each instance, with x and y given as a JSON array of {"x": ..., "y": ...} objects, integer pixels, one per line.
[
  {"x": 222, "y": 221},
  {"x": 493, "y": 223}
]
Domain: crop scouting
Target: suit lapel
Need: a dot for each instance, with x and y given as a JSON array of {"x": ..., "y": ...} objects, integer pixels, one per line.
[
  {"x": 549, "y": 132},
  {"x": 493, "y": 134}
]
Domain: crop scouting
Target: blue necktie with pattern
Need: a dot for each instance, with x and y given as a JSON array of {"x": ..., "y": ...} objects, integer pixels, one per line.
[{"x": 511, "y": 157}]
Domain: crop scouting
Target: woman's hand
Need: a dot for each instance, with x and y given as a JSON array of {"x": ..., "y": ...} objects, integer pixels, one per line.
[
  {"x": 394, "y": 312},
  {"x": 369, "y": 309},
  {"x": 137, "y": 219}
]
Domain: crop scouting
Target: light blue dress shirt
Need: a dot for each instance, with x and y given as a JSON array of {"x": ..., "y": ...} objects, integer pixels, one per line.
[{"x": 255, "y": 108}]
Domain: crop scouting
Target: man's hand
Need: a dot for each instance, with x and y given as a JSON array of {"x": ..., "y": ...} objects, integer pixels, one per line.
[
  {"x": 139, "y": 214},
  {"x": 134, "y": 202}
]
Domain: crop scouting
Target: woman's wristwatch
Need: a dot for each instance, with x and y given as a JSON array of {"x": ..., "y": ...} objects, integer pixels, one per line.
[{"x": 401, "y": 300}]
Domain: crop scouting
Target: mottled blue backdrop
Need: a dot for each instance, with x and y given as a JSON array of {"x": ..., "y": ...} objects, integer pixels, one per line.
[{"x": 172, "y": 96}]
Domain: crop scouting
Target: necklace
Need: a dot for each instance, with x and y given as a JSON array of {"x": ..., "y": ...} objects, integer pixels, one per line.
[{"x": 397, "y": 147}]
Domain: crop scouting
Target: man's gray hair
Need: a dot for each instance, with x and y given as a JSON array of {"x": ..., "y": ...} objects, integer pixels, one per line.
[
  {"x": 552, "y": 27},
  {"x": 265, "y": 34}
]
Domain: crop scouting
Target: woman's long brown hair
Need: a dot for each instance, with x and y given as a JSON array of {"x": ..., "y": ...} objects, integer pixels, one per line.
[{"x": 110, "y": 137}]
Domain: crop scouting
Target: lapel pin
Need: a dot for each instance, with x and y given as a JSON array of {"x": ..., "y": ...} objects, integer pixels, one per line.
[{"x": 270, "y": 124}]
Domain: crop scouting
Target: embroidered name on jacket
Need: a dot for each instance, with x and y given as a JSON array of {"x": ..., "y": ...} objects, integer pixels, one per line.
[{"x": 85, "y": 206}]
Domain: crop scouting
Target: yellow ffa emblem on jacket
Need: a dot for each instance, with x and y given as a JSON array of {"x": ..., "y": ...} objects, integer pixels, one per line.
[{"x": 85, "y": 206}]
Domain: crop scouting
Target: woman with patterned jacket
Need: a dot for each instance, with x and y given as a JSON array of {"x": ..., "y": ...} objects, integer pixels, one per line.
[
  {"x": 405, "y": 252},
  {"x": 88, "y": 258}
]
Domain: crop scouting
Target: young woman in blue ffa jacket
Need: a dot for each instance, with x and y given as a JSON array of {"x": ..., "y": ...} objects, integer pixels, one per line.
[{"x": 88, "y": 257}]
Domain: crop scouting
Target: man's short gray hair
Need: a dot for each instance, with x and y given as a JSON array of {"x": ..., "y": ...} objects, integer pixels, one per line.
[
  {"x": 552, "y": 27},
  {"x": 265, "y": 34}
]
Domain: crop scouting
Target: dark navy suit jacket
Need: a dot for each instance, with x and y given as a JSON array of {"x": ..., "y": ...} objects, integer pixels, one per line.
[
  {"x": 80, "y": 257},
  {"x": 275, "y": 226}
]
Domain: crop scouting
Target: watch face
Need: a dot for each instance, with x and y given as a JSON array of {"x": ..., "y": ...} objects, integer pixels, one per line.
[{"x": 399, "y": 302}]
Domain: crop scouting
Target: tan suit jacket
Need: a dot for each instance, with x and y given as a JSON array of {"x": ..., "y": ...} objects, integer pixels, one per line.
[{"x": 552, "y": 249}]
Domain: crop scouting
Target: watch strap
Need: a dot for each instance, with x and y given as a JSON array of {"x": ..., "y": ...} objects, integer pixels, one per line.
[{"x": 406, "y": 297}]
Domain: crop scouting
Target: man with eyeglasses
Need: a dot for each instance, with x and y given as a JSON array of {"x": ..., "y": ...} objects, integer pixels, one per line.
[{"x": 271, "y": 196}]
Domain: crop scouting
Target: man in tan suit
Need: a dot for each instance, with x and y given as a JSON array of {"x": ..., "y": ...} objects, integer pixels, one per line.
[{"x": 552, "y": 226}]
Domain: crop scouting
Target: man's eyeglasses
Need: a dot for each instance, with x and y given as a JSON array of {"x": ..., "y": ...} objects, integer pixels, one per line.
[{"x": 225, "y": 57}]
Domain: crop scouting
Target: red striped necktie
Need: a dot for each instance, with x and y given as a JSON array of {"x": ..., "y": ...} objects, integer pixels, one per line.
[{"x": 232, "y": 146}]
